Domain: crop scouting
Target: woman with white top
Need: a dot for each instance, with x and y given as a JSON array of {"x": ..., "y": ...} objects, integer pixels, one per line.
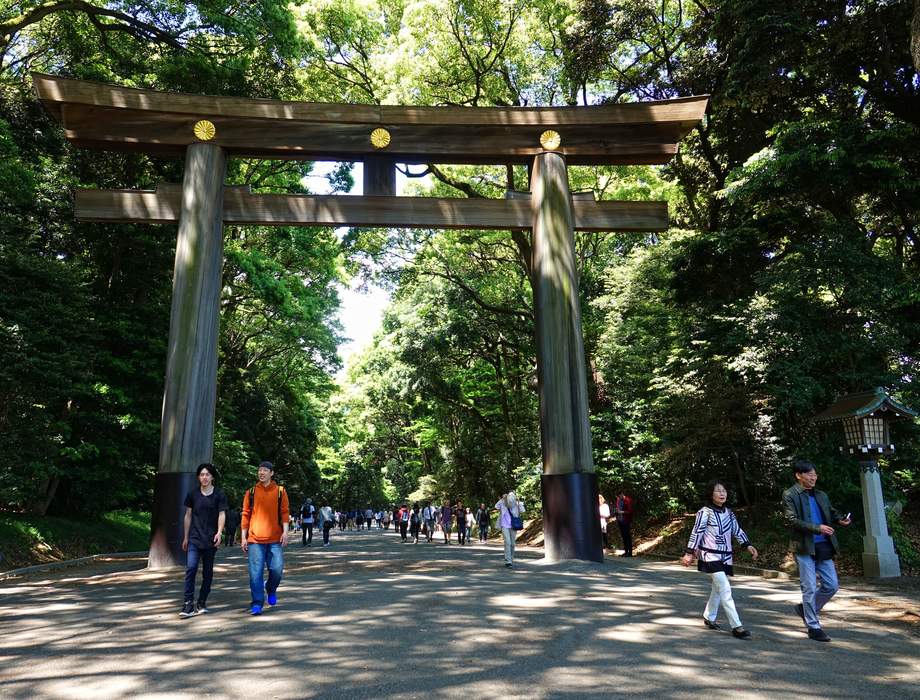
[
  {"x": 507, "y": 507},
  {"x": 604, "y": 511},
  {"x": 711, "y": 542}
]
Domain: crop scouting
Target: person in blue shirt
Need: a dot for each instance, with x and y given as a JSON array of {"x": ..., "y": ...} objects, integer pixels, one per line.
[{"x": 810, "y": 516}]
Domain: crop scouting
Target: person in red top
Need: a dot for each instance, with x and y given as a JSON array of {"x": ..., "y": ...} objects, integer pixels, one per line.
[
  {"x": 264, "y": 534},
  {"x": 623, "y": 511}
]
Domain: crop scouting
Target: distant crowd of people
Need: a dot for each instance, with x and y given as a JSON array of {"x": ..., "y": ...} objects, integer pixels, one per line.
[{"x": 265, "y": 523}]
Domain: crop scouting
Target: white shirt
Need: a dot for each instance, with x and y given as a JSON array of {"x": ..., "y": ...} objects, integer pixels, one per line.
[{"x": 605, "y": 515}]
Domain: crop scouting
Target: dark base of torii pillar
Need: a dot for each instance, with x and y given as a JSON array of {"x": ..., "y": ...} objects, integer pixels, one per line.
[
  {"x": 190, "y": 394},
  {"x": 571, "y": 528},
  {"x": 571, "y": 524}
]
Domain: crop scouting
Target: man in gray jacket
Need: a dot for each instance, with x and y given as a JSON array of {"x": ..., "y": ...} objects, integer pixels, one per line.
[{"x": 809, "y": 514}]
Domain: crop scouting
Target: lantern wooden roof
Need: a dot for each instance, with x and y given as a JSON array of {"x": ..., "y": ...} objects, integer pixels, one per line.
[
  {"x": 97, "y": 115},
  {"x": 863, "y": 404}
]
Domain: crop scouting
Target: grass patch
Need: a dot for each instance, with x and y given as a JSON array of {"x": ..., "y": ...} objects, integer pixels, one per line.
[{"x": 27, "y": 539}]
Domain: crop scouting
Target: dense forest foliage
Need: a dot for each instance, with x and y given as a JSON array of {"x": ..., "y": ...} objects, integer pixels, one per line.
[{"x": 789, "y": 274}]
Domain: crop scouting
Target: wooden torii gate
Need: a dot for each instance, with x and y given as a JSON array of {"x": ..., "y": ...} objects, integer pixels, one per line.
[{"x": 206, "y": 130}]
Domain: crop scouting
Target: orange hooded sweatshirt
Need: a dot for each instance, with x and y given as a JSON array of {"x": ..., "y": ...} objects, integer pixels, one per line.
[{"x": 261, "y": 518}]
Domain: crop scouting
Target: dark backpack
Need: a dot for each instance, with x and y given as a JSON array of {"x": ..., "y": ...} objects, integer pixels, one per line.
[{"x": 414, "y": 518}]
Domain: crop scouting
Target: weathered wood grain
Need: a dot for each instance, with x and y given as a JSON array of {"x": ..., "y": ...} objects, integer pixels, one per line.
[
  {"x": 107, "y": 117},
  {"x": 241, "y": 207},
  {"x": 565, "y": 431},
  {"x": 189, "y": 397},
  {"x": 379, "y": 176}
]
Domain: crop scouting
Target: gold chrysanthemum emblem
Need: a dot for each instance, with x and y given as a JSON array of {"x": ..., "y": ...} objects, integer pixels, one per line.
[
  {"x": 204, "y": 130},
  {"x": 380, "y": 138},
  {"x": 550, "y": 140}
]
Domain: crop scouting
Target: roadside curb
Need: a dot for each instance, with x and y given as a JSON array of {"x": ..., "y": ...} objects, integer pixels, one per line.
[{"x": 54, "y": 565}]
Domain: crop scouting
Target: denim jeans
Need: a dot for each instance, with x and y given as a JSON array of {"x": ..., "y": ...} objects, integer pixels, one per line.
[
  {"x": 206, "y": 556},
  {"x": 260, "y": 556},
  {"x": 461, "y": 532},
  {"x": 327, "y": 526},
  {"x": 815, "y": 597}
]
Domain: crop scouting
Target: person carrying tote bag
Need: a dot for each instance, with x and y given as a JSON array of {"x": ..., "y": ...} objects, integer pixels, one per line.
[{"x": 510, "y": 510}]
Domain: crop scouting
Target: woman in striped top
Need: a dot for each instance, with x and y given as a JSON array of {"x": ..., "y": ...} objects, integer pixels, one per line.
[{"x": 711, "y": 544}]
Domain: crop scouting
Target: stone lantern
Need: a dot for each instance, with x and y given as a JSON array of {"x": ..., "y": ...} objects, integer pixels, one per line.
[{"x": 865, "y": 417}]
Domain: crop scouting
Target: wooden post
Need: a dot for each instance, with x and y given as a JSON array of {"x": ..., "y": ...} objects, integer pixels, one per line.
[
  {"x": 570, "y": 519},
  {"x": 379, "y": 176},
  {"x": 190, "y": 395}
]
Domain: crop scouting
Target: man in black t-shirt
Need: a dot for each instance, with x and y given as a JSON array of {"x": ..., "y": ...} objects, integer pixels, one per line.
[{"x": 205, "y": 516}]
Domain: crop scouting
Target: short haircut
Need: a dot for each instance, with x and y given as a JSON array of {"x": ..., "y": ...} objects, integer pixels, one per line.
[
  {"x": 209, "y": 467},
  {"x": 802, "y": 466},
  {"x": 711, "y": 486}
]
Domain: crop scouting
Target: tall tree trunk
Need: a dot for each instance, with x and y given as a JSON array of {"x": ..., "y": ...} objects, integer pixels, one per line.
[
  {"x": 915, "y": 36},
  {"x": 49, "y": 489},
  {"x": 741, "y": 482}
]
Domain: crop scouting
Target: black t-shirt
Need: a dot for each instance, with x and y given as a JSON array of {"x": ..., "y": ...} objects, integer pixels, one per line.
[{"x": 205, "y": 510}]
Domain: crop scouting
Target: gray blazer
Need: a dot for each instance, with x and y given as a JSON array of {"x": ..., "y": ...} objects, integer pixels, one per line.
[{"x": 797, "y": 514}]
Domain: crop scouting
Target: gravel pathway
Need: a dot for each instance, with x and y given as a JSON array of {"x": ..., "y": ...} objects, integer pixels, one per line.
[{"x": 369, "y": 617}]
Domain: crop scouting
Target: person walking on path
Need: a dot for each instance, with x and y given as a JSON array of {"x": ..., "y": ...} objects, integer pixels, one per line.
[
  {"x": 232, "y": 527},
  {"x": 368, "y": 518},
  {"x": 623, "y": 512},
  {"x": 307, "y": 519},
  {"x": 809, "y": 514},
  {"x": 711, "y": 543},
  {"x": 326, "y": 521},
  {"x": 604, "y": 511},
  {"x": 264, "y": 536},
  {"x": 509, "y": 507},
  {"x": 403, "y": 522},
  {"x": 205, "y": 516},
  {"x": 428, "y": 517},
  {"x": 415, "y": 522},
  {"x": 469, "y": 525},
  {"x": 482, "y": 519},
  {"x": 461, "y": 523},
  {"x": 446, "y": 517}
]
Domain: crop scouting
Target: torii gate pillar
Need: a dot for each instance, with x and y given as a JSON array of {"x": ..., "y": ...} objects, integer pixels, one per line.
[
  {"x": 570, "y": 522},
  {"x": 190, "y": 395}
]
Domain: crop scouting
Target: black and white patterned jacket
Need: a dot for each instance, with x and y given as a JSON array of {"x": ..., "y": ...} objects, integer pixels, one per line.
[{"x": 711, "y": 537}]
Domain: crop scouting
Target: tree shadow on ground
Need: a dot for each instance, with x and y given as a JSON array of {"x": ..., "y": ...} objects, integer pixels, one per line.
[{"x": 370, "y": 617}]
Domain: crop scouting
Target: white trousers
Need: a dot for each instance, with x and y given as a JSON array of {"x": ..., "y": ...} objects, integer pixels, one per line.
[
  {"x": 509, "y": 536},
  {"x": 721, "y": 593}
]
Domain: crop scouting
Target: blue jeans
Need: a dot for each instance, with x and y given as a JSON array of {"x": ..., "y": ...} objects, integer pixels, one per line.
[
  {"x": 260, "y": 556},
  {"x": 206, "y": 556},
  {"x": 814, "y": 597}
]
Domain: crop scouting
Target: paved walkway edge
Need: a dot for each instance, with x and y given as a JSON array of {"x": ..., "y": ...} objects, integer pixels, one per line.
[{"x": 54, "y": 565}]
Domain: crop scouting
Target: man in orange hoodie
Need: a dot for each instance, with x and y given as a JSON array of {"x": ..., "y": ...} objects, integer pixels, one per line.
[{"x": 264, "y": 534}]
